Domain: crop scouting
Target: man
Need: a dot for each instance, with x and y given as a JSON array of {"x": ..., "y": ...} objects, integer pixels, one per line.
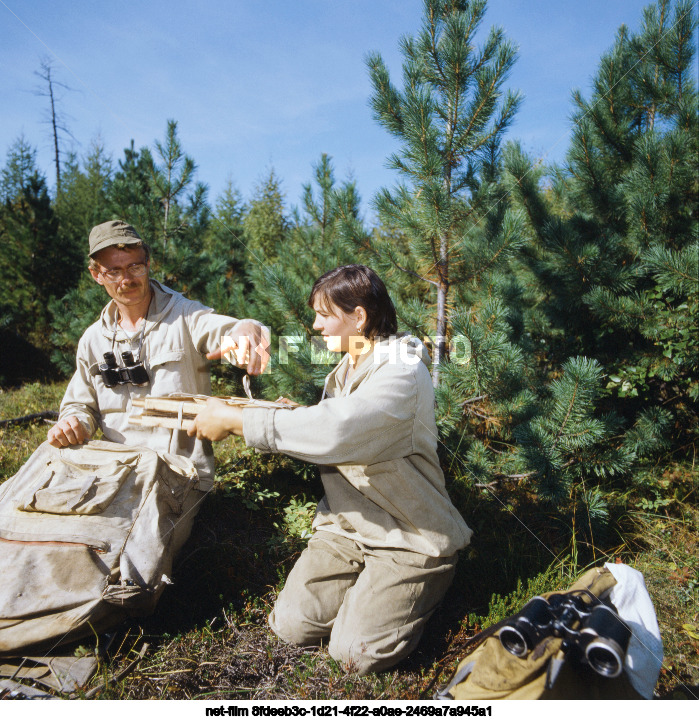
[{"x": 168, "y": 337}]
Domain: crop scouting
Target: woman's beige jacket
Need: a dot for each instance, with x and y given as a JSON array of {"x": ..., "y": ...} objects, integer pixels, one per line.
[{"x": 375, "y": 439}]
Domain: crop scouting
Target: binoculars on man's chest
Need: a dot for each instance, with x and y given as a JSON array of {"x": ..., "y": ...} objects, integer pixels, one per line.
[{"x": 128, "y": 372}]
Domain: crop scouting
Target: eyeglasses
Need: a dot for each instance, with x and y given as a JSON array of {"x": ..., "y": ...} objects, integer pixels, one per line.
[{"x": 135, "y": 270}]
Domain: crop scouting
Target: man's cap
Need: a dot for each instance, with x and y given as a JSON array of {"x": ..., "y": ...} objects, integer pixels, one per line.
[{"x": 113, "y": 232}]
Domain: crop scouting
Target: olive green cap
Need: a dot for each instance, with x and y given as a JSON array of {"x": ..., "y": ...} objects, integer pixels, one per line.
[{"x": 113, "y": 232}]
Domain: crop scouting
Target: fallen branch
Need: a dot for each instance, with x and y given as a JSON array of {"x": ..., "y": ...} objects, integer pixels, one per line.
[{"x": 44, "y": 415}]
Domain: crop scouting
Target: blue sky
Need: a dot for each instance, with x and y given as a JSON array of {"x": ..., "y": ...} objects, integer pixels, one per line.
[{"x": 261, "y": 84}]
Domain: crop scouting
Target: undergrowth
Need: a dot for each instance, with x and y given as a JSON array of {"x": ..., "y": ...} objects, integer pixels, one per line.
[{"x": 209, "y": 638}]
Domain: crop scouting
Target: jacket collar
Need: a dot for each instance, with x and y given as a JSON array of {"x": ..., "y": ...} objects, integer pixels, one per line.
[
  {"x": 385, "y": 349},
  {"x": 163, "y": 300}
]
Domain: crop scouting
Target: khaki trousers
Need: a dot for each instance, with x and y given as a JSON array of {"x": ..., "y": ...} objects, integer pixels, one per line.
[{"x": 372, "y": 603}]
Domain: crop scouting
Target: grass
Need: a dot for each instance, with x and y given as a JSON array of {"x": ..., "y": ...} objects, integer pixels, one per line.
[
  {"x": 668, "y": 557},
  {"x": 209, "y": 639},
  {"x": 18, "y": 442}
]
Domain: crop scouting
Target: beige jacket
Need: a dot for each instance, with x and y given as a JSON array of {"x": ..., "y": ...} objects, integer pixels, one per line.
[
  {"x": 375, "y": 438},
  {"x": 177, "y": 335}
]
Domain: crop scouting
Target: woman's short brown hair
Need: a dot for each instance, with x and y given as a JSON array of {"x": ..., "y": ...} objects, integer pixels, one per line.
[{"x": 355, "y": 285}]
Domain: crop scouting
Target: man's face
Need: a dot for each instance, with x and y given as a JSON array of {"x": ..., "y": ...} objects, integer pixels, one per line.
[{"x": 128, "y": 290}]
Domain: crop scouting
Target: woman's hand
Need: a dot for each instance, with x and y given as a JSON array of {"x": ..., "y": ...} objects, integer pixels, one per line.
[{"x": 217, "y": 421}]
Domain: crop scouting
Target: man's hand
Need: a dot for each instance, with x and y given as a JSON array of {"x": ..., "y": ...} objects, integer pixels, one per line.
[
  {"x": 217, "y": 421},
  {"x": 69, "y": 431},
  {"x": 249, "y": 344}
]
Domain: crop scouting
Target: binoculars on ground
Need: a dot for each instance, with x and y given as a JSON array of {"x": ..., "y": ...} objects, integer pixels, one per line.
[
  {"x": 128, "y": 372},
  {"x": 592, "y": 632}
]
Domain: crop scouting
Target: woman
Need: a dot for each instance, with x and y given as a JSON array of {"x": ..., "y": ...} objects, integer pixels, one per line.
[{"x": 386, "y": 534}]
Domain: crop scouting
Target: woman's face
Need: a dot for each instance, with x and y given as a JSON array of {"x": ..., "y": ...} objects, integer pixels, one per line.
[{"x": 339, "y": 329}]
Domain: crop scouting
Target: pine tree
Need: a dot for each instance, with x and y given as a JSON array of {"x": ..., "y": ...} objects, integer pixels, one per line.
[
  {"x": 225, "y": 242},
  {"x": 464, "y": 263},
  {"x": 615, "y": 255},
  {"x": 169, "y": 180},
  {"x": 131, "y": 197},
  {"x": 320, "y": 237},
  {"x": 227, "y": 229},
  {"x": 182, "y": 221},
  {"x": 84, "y": 200},
  {"x": 264, "y": 222},
  {"x": 19, "y": 167},
  {"x": 161, "y": 198},
  {"x": 40, "y": 261},
  {"x": 33, "y": 268},
  {"x": 447, "y": 238},
  {"x": 16, "y": 293},
  {"x": 71, "y": 314},
  {"x": 449, "y": 118}
]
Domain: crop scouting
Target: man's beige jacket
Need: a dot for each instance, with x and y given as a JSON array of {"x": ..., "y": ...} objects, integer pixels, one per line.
[
  {"x": 177, "y": 335},
  {"x": 375, "y": 438}
]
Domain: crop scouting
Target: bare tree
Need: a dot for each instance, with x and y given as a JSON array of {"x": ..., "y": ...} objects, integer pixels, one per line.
[{"x": 49, "y": 88}]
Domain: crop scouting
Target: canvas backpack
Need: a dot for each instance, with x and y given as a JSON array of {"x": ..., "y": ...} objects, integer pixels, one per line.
[
  {"x": 547, "y": 671},
  {"x": 87, "y": 537}
]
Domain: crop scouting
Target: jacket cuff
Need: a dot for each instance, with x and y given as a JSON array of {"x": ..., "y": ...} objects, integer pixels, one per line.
[
  {"x": 245, "y": 320},
  {"x": 258, "y": 428},
  {"x": 84, "y": 418}
]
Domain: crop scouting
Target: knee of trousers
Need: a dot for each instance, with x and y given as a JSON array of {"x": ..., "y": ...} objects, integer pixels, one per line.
[
  {"x": 288, "y": 621},
  {"x": 363, "y": 656}
]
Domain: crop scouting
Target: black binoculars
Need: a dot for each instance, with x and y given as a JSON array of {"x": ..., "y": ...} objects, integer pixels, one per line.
[
  {"x": 128, "y": 372},
  {"x": 592, "y": 632}
]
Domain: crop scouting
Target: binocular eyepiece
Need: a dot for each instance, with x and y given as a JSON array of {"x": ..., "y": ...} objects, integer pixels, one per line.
[
  {"x": 600, "y": 638},
  {"x": 605, "y": 640},
  {"x": 128, "y": 372},
  {"x": 528, "y": 629}
]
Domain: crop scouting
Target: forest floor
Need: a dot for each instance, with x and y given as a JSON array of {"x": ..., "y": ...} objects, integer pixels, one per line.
[{"x": 209, "y": 638}]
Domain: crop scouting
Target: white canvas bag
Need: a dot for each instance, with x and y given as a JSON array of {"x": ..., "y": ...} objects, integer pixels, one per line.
[{"x": 87, "y": 537}]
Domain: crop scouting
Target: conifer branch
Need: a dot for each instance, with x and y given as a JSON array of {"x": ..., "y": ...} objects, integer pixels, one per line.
[
  {"x": 474, "y": 399},
  {"x": 412, "y": 272}
]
